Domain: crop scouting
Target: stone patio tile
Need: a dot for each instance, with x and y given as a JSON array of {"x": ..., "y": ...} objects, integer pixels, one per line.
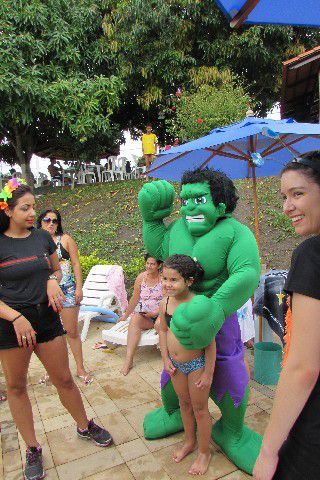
[
  {"x": 52, "y": 474},
  {"x": 87, "y": 466},
  {"x": 160, "y": 443},
  {"x": 252, "y": 409},
  {"x": 258, "y": 422},
  {"x": 118, "y": 387},
  {"x": 264, "y": 403},
  {"x": 62, "y": 421},
  {"x": 135, "y": 415},
  {"x": 219, "y": 465},
  {"x": 131, "y": 450},
  {"x": 50, "y": 406},
  {"x": 9, "y": 442},
  {"x": 119, "y": 427},
  {"x": 11, "y": 462},
  {"x": 138, "y": 398},
  {"x": 121, "y": 472},
  {"x": 15, "y": 475},
  {"x": 147, "y": 467},
  {"x": 105, "y": 408},
  {"x": 7, "y": 426},
  {"x": 66, "y": 446},
  {"x": 237, "y": 475}
]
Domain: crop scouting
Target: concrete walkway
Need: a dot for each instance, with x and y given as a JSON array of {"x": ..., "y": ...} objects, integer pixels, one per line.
[{"x": 118, "y": 403}]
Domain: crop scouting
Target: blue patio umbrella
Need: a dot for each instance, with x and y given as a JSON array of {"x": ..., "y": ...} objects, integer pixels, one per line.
[
  {"x": 279, "y": 12},
  {"x": 250, "y": 148}
]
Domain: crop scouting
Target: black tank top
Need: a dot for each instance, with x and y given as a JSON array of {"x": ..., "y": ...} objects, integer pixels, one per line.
[{"x": 166, "y": 314}]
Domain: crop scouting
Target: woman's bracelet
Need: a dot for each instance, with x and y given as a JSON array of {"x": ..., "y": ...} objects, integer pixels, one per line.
[{"x": 16, "y": 318}]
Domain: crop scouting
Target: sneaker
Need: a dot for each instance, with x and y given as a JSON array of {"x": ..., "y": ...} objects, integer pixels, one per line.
[
  {"x": 98, "y": 435},
  {"x": 34, "y": 466}
]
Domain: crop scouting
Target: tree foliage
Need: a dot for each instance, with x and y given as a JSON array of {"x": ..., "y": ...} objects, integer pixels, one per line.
[
  {"x": 164, "y": 44},
  {"x": 57, "y": 85}
]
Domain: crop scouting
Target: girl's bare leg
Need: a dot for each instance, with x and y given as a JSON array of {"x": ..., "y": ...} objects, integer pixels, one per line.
[
  {"x": 54, "y": 357},
  {"x": 136, "y": 325},
  {"x": 199, "y": 399},
  {"x": 69, "y": 318},
  {"x": 15, "y": 363},
  {"x": 180, "y": 384}
]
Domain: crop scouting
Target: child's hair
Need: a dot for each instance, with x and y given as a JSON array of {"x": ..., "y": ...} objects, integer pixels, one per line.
[
  {"x": 147, "y": 255},
  {"x": 148, "y": 125},
  {"x": 12, "y": 202},
  {"x": 186, "y": 266}
]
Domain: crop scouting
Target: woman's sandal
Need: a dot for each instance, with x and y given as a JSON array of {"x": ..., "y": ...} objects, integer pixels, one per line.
[
  {"x": 44, "y": 380},
  {"x": 3, "y": 397},
  {"x": 85, "y": 379},
  {"x": 99, "y": 345}
]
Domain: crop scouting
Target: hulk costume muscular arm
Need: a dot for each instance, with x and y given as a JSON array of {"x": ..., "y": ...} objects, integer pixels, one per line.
[{"x": 226, "y": 249}]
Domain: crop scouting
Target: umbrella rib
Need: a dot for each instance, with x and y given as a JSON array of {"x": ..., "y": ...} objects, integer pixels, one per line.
[
  {"x": 236, "y": 149},
  {"x": 168, "y": 161},
  {"x": 274, "y": 144},
  {"x": 226, "y": 154},
  {"x": 243, "y": 13},
  {"x": 288, "y": 145}
]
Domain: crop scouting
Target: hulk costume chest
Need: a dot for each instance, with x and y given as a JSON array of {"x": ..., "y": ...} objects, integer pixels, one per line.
[{"x": 211, "y": 250}]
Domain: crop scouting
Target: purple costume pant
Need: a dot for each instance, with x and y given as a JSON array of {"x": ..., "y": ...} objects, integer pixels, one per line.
[{"x": 230, "y": 374}]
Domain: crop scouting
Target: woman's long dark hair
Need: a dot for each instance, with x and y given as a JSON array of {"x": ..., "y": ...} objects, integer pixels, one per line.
[
  {"x": 45, "y": 213},
  {"x": 12, "y": 202}
]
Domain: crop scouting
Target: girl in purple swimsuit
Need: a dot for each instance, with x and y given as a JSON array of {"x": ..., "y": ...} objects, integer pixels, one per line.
[{"x": 191, "y": 370}]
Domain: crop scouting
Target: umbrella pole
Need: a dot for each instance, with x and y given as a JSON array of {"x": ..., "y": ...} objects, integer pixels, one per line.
[{"x": 256, "y": 227}]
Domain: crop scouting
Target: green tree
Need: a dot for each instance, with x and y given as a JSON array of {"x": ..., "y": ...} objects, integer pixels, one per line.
[
  {"x": 162, "y": 45},
  {"x": 207, "y": 108},
  {"x": 57, "y": 84}
]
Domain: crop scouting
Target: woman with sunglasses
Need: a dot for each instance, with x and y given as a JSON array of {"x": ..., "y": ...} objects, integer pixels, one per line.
[
  {"x": 291, "y": 443},
  {"x": 30, "y": 299},
  {"x": 71, "y": 285}
]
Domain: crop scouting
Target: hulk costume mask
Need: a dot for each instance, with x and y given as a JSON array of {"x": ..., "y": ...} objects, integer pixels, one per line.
[{"x": 229, "y": 255}]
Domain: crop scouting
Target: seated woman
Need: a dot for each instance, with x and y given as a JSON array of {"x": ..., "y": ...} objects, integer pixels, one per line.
[{"x": 147, "y": 294}]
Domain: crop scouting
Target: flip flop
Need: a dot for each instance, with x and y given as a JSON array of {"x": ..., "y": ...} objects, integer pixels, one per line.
[
  {"x": 99, "y": 345},
  {"x": 86, "y": 379},
  {"x": 3, "y": 397},
  {"x": 44, "y": 380}
]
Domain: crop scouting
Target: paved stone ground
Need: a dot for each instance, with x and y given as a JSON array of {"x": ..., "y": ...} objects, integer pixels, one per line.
[{"x": 119, "y": 403}]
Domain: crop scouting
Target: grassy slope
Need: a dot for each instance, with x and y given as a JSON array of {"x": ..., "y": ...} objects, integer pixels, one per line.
[{"x": 104, "y": 219}]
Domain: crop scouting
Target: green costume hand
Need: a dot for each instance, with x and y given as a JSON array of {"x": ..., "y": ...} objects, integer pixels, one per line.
[
  {"x": 195, "y": 324},
  {"x": 156, "y": 200}
]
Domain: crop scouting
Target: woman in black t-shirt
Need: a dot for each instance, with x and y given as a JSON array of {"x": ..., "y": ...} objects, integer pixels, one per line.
[
  {"x": 30, "y": 299},
  {"x": 291, "y": 444}
]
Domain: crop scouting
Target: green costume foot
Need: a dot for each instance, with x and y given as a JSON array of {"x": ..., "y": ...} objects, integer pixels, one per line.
[
  {"x": 243, "y": 451},
  {"x": 159, "y": 424}
]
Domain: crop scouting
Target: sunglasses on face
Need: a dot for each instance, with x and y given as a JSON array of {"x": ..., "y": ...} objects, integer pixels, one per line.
[{"x": 50, "y": 220}]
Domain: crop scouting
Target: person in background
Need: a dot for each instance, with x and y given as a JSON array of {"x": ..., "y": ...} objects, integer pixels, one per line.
[
  {"x": 144, "y": 304},
  {"x": 55, "y": 169},
  {"x": 149, "y": 145},
  {"x": 291, "y": 443},
  {"x": 30, "y": 299},
  {"x": 13, "y": 172},
  {"x": 71, "y": 285}
]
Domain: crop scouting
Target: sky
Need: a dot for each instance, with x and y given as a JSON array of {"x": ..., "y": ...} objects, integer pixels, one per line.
[{"x": 128, "y": 149}]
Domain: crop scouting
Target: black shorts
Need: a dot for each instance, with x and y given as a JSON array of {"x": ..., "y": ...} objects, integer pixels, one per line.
[
  {"x": 44, "y": 320},
  {"x": 297, "y": 461}
]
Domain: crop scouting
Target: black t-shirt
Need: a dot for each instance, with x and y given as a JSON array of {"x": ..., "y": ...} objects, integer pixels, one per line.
[
  {"x": 24, "y": 268},
  {"x": 303, "y": 278}
]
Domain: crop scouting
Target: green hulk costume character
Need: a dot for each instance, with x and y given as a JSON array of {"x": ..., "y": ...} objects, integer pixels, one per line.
[{"x": 228, "y": 252}]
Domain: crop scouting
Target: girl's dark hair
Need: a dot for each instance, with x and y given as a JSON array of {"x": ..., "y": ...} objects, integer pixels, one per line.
[
  {"x": 12, "y": 202},
  {"x": 308, "y": 163},
  {"x": 45, "y": 213},
  {"x": 186, "y": 266},
  {"x": 147, "y": 255},
  {"x": 221, "y": 187}
]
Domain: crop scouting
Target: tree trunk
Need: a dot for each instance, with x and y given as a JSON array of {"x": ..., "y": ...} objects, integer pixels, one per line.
[{"x": 24, "y": 154}]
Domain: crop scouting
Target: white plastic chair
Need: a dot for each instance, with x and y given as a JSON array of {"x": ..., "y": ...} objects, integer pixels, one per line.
[
  {"x": 110, "y": 170},
  {"x": 118, "y": 334},
  {"x": 97, "y": 293},
  {"x": 85, "y": 175}
]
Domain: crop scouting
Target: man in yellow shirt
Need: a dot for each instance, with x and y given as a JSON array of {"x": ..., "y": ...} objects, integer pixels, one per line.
[{"x": 149, "y": 145}]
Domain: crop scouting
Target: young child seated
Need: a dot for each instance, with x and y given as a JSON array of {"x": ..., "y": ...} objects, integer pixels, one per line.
[{"x": 191, "y": 370}]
